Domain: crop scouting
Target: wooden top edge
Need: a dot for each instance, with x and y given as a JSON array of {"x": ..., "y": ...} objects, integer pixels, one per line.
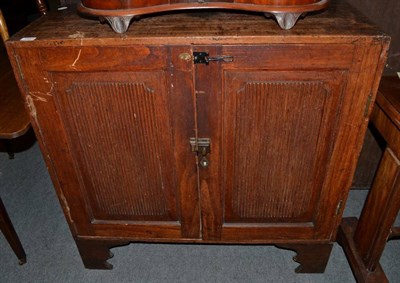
[
  {"x": 340, "y": 23},
  {"x": 192, "y": 41}
]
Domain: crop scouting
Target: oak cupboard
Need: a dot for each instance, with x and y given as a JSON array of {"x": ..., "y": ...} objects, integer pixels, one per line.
[{"x": 208, "y": 127}]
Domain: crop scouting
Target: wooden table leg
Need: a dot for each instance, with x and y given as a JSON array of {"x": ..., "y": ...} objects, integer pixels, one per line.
[
  {"x": 380, "y": 211},
  {"x": 9, "y": 233},
  {"x": 345, "y": 238},
  {"x": 364, "y": 242}
]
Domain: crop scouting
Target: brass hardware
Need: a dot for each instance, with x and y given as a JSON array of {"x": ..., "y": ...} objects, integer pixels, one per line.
[
  {"x": 203, "y": 58},
  {"x": 201, "y": 146},
  {"x": 204, "y": 162},
  {"x": 185, "y": 56}
]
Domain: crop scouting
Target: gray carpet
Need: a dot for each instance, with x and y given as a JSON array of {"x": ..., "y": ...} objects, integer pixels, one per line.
[{"x": 30, "y": 199}]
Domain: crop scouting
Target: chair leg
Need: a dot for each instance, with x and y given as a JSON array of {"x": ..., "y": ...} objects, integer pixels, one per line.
[
  {"x": 9, "y": 148},
  {"x": 11, "y": 236}
]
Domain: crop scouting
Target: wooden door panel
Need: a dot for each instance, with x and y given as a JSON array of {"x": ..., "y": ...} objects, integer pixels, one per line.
[
  {"x": 278, "y": 133},
  {"x": 119, "y": 126},
  {"x": 117, "y": 133}
]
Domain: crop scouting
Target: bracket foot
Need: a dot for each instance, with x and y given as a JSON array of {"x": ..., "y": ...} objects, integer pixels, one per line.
[{"x": 312, "y": 258}]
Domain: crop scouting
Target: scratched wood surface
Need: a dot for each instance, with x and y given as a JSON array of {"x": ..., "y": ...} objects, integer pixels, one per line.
[{"x": 340, "y": 23}]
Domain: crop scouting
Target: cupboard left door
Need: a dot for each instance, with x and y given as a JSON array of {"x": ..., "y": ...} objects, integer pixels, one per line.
[{"x": 124, "y": 129}]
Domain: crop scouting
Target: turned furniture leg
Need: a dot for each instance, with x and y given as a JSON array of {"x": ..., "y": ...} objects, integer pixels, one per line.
[
  {"x": 11, "y": 236},
  {"x": 312, "y": 258},
  {"x": 95, "y": 253}
]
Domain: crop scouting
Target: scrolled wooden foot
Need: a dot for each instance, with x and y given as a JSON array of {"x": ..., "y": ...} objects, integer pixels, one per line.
[
  {"x": 312, "y": 258},
  {"x": 285, "y": 20},
  {"x": 95, "y": 253},
  {"x": 118, "y": 24}
]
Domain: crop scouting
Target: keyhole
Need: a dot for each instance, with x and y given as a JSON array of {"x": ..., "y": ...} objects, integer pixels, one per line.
[{"x": 204, "y": 162}]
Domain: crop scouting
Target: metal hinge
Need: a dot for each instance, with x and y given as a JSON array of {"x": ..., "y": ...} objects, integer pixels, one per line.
[
  {"x": 19, "y": 67},
  {"x": 202, "y": 147},
  {"x": 203, "y": 58},
  {"x": 339, "y": 207},
  {"x": 366, "y": 110}
]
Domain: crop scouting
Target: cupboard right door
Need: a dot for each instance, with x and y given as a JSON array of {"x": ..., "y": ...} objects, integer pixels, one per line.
[{"x": 277, "y": 130}]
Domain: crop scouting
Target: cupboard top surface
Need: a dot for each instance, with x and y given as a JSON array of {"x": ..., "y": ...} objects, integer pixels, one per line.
[{"x": 340, "y": 23}]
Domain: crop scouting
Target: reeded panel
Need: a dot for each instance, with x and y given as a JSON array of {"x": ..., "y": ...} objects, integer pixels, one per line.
[
  {"x": 278, "y": 126},
  {"x": 120, "y": 132}
]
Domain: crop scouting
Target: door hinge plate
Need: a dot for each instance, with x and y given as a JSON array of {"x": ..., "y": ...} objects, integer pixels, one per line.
[
  {"x": 339, "y": 207},
  {"x": 367, "y": 105}
]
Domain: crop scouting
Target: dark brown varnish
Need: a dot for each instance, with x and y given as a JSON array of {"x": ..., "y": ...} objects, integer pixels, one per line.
[{"x": 114, "y": 115}]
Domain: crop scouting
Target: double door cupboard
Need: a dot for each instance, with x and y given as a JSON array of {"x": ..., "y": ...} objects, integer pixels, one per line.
[{"x": 201, "y": 127}]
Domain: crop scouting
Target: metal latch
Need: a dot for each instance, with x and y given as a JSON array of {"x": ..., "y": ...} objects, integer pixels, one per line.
[
  {"x": 201, "y": 146},
  {"x": 204, "y": 58}
]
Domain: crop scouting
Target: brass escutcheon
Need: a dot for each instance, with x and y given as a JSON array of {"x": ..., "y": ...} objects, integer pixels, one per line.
[{"x": 185, "y": 56}]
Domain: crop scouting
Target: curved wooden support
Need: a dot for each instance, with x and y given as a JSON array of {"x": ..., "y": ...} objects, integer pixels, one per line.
[
  {"x": 95, "y": 253},
  {"x": 312, "y": 258},
  {"x": 120, "y": 16}
]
